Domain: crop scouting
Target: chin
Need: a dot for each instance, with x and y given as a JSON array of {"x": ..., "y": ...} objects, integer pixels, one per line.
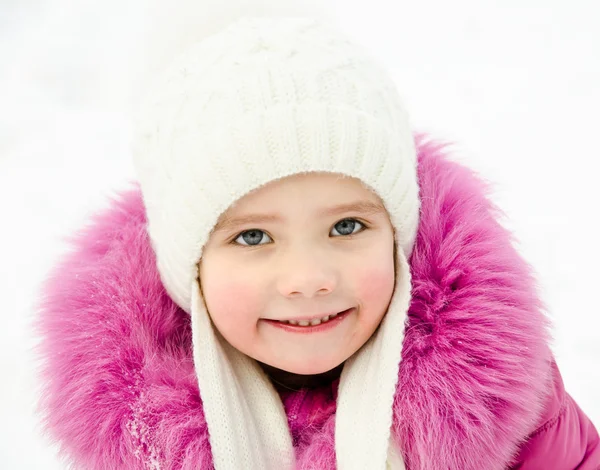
[{"x": 308, "y": 367}]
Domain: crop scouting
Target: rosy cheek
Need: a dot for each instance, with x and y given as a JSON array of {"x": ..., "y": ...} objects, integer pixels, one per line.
[
  {"x": 375, "y": 286},
  {"x": 232, "y": 304}
]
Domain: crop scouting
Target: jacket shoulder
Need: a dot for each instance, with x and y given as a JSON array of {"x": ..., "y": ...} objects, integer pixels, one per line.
[{"x": 564, "y": 437}]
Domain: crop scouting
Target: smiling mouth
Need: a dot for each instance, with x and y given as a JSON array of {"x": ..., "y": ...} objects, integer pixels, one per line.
[{"x": 313, "y": 321}]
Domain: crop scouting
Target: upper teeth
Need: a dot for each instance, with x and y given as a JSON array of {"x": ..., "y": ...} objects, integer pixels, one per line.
[{"x": 315, "y": 322}]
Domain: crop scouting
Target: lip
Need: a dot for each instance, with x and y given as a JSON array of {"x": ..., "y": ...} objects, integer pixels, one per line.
[
  {"x": 312, "y": 329},
  {"x": 314, "y": 317}
]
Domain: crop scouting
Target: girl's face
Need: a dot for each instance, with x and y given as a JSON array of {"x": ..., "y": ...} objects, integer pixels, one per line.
[{"x": 298, "y": 250}]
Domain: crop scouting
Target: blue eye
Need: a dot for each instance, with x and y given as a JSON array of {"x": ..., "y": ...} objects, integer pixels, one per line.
[
  {"x": 254, "y": 236},
  {"x": 251, "y": 236},
  {"x": 347, "y": 226}
]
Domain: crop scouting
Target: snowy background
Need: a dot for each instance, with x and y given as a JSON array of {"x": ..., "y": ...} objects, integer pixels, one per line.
[{"x": 515, "y": 84}]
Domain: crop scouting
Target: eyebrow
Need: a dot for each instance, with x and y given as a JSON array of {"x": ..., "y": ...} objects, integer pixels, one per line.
[{"x": 362, "y": 207}]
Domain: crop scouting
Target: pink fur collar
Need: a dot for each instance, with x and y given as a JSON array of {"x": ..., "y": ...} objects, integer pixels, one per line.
[{"x": 119, "y": 384}]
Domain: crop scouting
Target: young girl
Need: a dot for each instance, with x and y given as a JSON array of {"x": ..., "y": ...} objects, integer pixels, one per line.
[{"x": 298, "y": 282}]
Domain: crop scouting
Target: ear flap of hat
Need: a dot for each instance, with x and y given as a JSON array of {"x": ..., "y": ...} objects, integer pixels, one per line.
[
  {"x": 245, "y": 417},
  {"x": 368, "y": 385}
]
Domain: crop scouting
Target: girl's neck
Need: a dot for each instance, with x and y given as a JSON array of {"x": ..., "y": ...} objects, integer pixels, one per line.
[{"x": 285, "y": 380}]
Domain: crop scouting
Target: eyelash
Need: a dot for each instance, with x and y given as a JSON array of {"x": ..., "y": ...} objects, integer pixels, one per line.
[{"x": 233, "y": 241}]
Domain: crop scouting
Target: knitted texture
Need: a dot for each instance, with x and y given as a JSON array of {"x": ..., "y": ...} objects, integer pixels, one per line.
[
  {"x": 246, "y": 420},
  {"x": 260, "y": 100}
]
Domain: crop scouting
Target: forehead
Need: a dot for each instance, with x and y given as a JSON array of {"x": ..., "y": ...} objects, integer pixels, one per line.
[
  {"x": 316, "y": 186},
  {"x": 323, "y": 194}
]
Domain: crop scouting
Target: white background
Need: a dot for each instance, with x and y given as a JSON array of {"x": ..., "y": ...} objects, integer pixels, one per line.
[{"x": 515, "y": 84}]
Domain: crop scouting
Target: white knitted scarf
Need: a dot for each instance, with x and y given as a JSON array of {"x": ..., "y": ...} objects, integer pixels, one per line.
[{"x": 246, "y": 420}]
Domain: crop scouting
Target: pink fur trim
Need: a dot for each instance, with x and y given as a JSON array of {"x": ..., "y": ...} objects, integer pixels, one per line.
[
  {"x": 119, "y": 384},
  {"x": 475, "y": 360}
]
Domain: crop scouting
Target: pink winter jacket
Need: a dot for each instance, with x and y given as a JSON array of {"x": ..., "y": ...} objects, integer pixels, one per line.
[
  {"x": 564, "y": 438},
  {"x": 478, "y": 388}
]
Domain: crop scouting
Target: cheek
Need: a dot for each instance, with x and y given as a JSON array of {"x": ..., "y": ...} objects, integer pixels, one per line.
[
  {"x": 375, "y": 286},
  {"x": 233, "y": 303}
]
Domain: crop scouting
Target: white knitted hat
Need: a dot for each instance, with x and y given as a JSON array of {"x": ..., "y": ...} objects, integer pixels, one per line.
[{"x": 260, "y": 100}]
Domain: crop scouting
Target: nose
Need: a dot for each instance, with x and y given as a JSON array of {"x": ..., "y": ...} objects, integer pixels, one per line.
[{"x": 306, "y": 273}]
